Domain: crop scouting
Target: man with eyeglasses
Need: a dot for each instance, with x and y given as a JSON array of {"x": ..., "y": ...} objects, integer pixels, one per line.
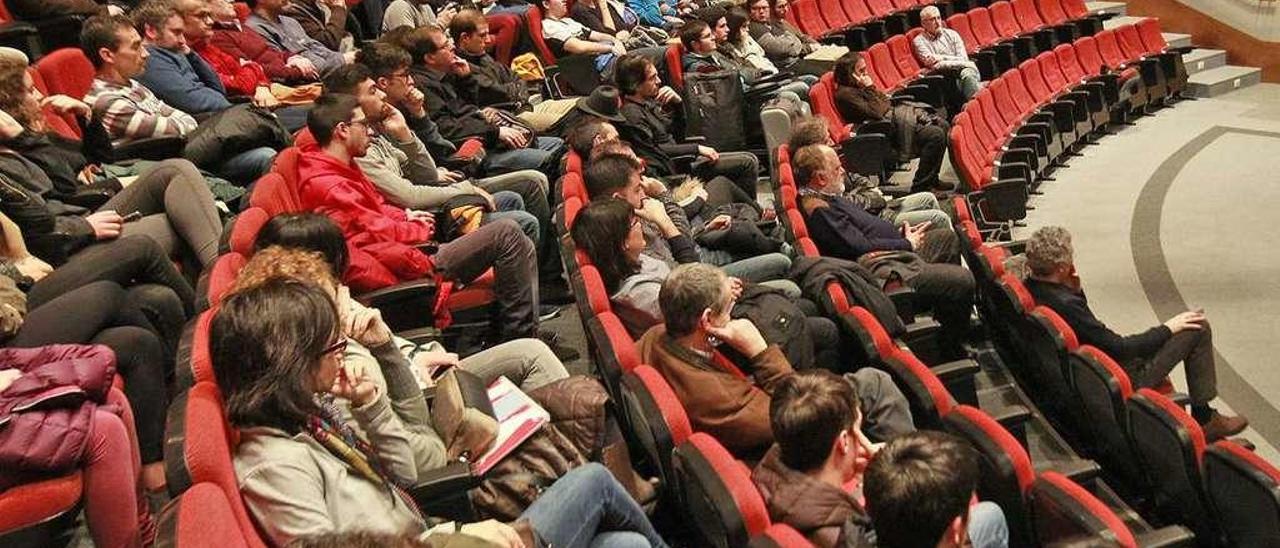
[
  {"x": 784, "y": 44},
  {"x": 941, "y": 49}
]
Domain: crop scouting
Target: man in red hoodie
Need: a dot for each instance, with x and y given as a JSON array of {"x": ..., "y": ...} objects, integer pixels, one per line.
[{"x": 383, "y": 239}]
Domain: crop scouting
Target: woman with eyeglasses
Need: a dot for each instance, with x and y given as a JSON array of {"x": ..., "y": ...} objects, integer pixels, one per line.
[{"x": 277, "y": 353}]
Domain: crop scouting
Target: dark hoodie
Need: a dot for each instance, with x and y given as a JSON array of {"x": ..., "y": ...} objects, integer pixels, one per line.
[{"x": 826, "y": 515}]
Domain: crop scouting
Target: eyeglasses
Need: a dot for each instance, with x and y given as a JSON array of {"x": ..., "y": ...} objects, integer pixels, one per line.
[
  {"x": 338, "y": 347},
  {"x": 403, "y": 75}
]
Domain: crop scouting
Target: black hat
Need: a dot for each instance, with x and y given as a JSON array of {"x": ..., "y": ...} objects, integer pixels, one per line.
[{"x": 604, "y": 102}]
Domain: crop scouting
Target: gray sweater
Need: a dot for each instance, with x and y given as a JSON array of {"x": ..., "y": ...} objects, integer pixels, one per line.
[{"x": 406, "y": 174}]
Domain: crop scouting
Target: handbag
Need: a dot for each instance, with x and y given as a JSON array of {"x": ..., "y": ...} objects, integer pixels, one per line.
[
  {"x": 459, "y": 216},
  {"x": 463, "y": 415}
]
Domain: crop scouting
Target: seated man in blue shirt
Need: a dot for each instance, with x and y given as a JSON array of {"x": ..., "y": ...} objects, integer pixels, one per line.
[
  {"x": 921, "y": 256},
  {"x": 174, "y": 73}
]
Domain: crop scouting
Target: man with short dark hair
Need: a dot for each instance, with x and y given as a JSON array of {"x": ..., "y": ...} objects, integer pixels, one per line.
[
  {"x": 918, "y": 489},
  {"x": 922, "y": 256},
  {"x": 447, "y": 83},
  {"x": 383, "y": 238},
  {"x": 645, "y": 106},
  {"x": 696, "y": 300}
]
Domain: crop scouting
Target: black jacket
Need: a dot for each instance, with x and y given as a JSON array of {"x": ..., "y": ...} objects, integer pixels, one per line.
[
  {"x": 648, "y": 129},
  {"x": 53, "y": 230},
  {"x": 862, "y": 287},
  {"x": 496, "y": 83},
  {"x": 451, "y": 102},
  {"x": 1072, "y": 305}
]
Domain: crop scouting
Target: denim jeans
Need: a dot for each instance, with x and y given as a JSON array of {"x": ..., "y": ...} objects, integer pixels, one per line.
[
  {"x": 761, "y": 268},
  {"x": 987, "y": 527},
  {"x": 589, "y": 508},
  {"x": 526, "y": 158},
  {"x": 510, "y": 205},
  {"x": 245, "y": 168}
]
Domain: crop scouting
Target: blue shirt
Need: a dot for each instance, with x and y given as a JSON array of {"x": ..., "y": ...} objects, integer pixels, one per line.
[{"x": 184, "y": 81}]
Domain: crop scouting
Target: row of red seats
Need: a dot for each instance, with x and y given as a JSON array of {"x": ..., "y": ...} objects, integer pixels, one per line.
[{"x": 856, "y": 23}]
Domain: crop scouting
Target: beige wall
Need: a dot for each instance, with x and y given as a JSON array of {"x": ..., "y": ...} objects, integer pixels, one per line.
[
  {"x": 1261, "y": 19},
  {"x": 1243, "y": 48}
]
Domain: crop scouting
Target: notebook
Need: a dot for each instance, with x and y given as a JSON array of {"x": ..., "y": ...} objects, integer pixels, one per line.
[{"x": 519, "y": 418}]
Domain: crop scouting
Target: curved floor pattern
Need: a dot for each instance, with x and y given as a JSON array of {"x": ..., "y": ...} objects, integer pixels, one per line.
[{"x": 1195, "y": 190}]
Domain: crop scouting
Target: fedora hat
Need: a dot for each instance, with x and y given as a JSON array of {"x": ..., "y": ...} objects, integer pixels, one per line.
[{"x": 604, "y": 102}]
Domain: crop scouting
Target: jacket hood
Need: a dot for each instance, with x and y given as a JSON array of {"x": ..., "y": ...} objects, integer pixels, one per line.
[{"x": 802, "y": 501}]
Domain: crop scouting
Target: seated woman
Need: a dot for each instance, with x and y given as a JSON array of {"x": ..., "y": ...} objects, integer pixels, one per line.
[
  {"x": 609, "y": 232},
  {"x": 171, "y": 200},
  {"x": 738, "y": 44},
  {"x": 569, "y": 37},
  {"x": 302, "y": 471},
  {"x": 85, "y": 301},
  {"x": 96, "y": 439},
  {"x": 702, "y": 54}
]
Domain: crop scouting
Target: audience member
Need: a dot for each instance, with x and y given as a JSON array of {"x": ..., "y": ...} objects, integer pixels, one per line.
[
  {"x": 941, "y": 49},
  {"x": 924, "y": 257},
  {"x": 1147, "y": 357},
  {"x": 383, "y": 238},
  {"x": 44, "y": 9},
  {"x": 646, "y": 106},
  {"x": 130, "y": 111},
  {"x": 416, "y": 14},
  {"x": 323, "y": 20},
  {"x": 702, "y": 55},
  {"x": 567, "y": 37},
  {"x": 240, "y": 77},
  {"x": 302, "y": 471},
  {"x": 783, "y": 44},
  {"x": 440, "y": 74},
  {"x": 496, "y": 85},
  {"x": 659, "y": 14},
  {"x": 232, "y": 37},
  {"x": 606, "y": 17},
  {"x": 918, "y": 489},
  {"x": 918, "y": 130},
  {"x": 738, "y": 44},
  {"x": 286, "y": 34},
  {"x": 178, "y": 76}
]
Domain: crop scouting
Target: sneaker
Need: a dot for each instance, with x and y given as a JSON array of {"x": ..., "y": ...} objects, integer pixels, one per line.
[
  {"x": 547, "y": 312},
  {"x": 1220, "y": 426},
  {"x": 564, "y": 353}
]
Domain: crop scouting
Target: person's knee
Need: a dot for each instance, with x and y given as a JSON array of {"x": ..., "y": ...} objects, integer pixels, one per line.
[
  {"x": 157, "y": 298},
  {"x": 511, "y": 237}
]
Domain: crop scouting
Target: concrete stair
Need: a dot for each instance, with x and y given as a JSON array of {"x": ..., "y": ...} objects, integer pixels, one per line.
[
  {"x": 1217, "y": 81},
  {"x": 1202, "y": 59},
  {"x": 1177, "y": 40},
  {"x": 1100, "y": 7}
]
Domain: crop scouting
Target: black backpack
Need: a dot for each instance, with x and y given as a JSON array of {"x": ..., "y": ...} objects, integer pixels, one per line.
[{"x": 779, "y": 320}]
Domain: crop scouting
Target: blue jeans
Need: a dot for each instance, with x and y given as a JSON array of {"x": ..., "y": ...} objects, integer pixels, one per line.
[
  {"x": 589, "y": 508},
  {"x": 761, "y": 268},
  {"x": 525, "y": 158},
  {"x": 987, "y": 527},
  {"x": 510, "y": 205},
  {"x": 245, "y": 168},
  {"x": 921, "y": 207}
]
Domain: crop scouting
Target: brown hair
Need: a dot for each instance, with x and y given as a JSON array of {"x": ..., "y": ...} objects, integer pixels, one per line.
[
  {"x": 308, "y": 267},
  {"x": 13, "y": 94},
  {"x": 808, "y": 411}
]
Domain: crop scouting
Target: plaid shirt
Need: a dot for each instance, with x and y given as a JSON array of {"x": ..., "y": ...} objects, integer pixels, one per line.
[{"x": 133, "y": 112}]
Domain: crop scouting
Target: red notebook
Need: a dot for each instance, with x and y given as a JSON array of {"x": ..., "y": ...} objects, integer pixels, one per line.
[{"x": 519, "y": 417}]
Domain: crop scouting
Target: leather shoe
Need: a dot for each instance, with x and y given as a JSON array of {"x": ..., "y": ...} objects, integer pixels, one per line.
[{"x": 1220, "y": 426}]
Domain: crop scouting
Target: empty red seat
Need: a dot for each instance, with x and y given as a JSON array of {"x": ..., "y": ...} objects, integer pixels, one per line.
[
  {"x": 884, "y": 71},
  {"x": 822, "y": 99},
  {"x": 67, "y": 71},
  {"x": 720, "y": 499},
  {"x": 1062, "y": 510},
  {"x": 904, "y": 56},
  {"x": 929, "y": 398},
  {"x": 808, "y": 18},
  {"x": 1005, "y": 470},
  {"x": 1027, "y": 15},
  {"x": 1006, "y": 24},
  {"x": 983, "y": 27},
  {"x": 597, "y": 296},
  {"x": 960, "y": 23}
]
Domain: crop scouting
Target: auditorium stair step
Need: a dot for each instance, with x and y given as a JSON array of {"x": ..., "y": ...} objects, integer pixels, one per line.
[
  {"x": 1217, "y": 81},
  {"x": 1117, "y": 8},
  {"x": 1121, "y": 21},
  {"x": 1202, "y": 59},
  {"x": 1177, "y": 40}
]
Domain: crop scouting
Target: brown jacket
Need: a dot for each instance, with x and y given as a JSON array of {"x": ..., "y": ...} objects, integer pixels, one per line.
[
  {"x": 733, "y": 409},
  {"x": 826, "y": 515}
]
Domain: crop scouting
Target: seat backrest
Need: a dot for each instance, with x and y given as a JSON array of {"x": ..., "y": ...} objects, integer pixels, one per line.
[
  {"x": 1002, "y": 17},
  {"x": 534, "y": 19},
  {"x": 1052, "y": 73},
  {"x": 780, "y": 535},
  {"x": 1033, "y": 77},
  {"x": 1245, "y": 489},
  {"x": 833, "y": 15},
  {"x": 675, "y": 66},
  {"x": 904, "y": 56},
  {"x": 1050, "y": 340},
  {"x": 1069, "y": 62},
  {"x": 1088, "y": 56},
  {"x": 246, "y": 228},
  {"x": 1051, "y": 12},
  {"x": 223, "y": 275},
  {"x": 66, "y": 71},
  {"x": 201, "y": 364},
  {"x": 994, "y": 120},
  {"x": 274, "y": 195},
  {"x": 719, "y": 496},
  {"x": 658, "y": 420},
  {"x": 56, "y": 122},
  {"x": 200, "y": 516},
  {"x": 963, "y": 149},
  {"x": 1026, "y": 14},
  {"x": 1075, "y": 9},
  {"x": 929, "y": 398},
  {"x": 960, "y": 23},
  {"x": 1109, "y": 47},
  {"x": 1149, "y": 32},
  {"x": 41, "y": 511},
  {"x": 572, "y": 207},
  {"x": 984, "y": 29},
  {"x": 822, "y": 99},
  {"x": 1017, "y": 87},
  {"x": 857, "y": 10},
  {"x": 199, "y": 440},
  {"x": 882, "y": 67},
  {"x": 572, "y": 162},
  {"x": 881, "y": 7},
  {"x": 1130, "y": 41},
  {"x": 808, "y": 17},
  {"x": 1005, "y": 105},
  {"x": 874, "y": 342},
  {"x": 505, "y": 29},
  {"x": 987, "y": 136},
  {"x": 573, "y": 186},
  {"x": 286, "y": 164},
  {"x": 1063, "y": 510},
  {"x": 1170, "y": 445},
  {"x": 1103, "y": 389},
  {"x": 597, "y": 296},
  {"x": 1006, "y": 473}
]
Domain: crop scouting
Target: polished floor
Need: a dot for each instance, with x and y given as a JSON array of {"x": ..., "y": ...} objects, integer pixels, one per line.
[{"x": 1180, "y": 212}]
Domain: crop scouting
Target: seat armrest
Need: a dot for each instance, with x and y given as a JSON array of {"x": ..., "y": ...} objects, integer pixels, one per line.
[
  {"x": 904, "y": 300},
  {"x": 1180, "y": 398},
  {"x": 404, "y": 306},
  {"x": 1173, "y": 536},
  {"x": 1013, "y": 418},
  {"x": 1081, "y": 471},
  {"x": 955, "y": 370},
  {"x": 420, "y": 336}
]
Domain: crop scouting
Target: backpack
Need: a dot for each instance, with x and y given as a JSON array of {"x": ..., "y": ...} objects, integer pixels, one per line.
[
  {"x": 713, "y": 108},
  {"x": 779, "y": 320}
]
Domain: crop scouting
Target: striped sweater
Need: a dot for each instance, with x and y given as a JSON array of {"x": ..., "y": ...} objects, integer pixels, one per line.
[{"x": 132, "y": 112}]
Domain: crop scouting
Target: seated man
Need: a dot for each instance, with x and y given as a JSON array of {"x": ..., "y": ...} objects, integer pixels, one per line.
[
  {"x": 323, "y": 20},
  {"x": 784, "y": 44},
  {"x": 659, "y": 14},
  {"x": 812, "y": 477},
  {"x": 568, "y": 37},
  {"x": 918, "y": 490},
  {"x": 174, "y": 73},
  {"x": 130, "y": 111},
  {"x": 416, "y": 14},
  {"x": 286, "y": 34},
  {"x": 646, "y": 104},
  {"x": 695, "y": 300},
  {"x": 1147, "y": 357},
  {"x": 918, "y": 130},
  {"x": 701, "y": 55},
  {"x": 233, "y": 38},
  {"x": 446, "y": 81},
  {"x": 496, "y": 85},
  {"x": 383, "y": 238},
  {"x": 941, "y": 49},
  {"x": 915, "y": 208},
  {"x": 924, "y": 258}
]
